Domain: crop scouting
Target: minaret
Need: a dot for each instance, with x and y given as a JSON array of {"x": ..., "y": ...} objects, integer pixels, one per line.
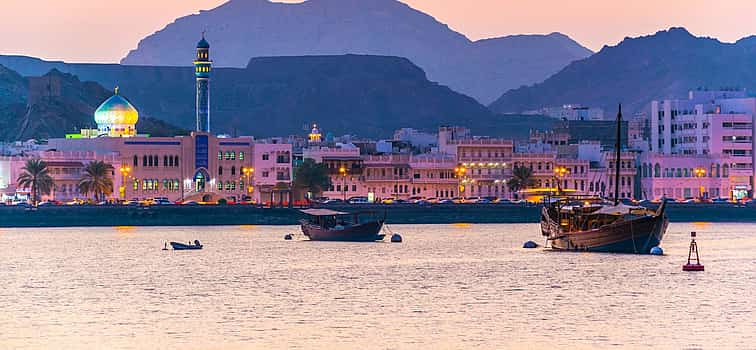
[{"x": 202, "y": 67}]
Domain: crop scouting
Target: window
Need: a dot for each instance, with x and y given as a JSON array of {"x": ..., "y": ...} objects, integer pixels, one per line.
[
  {"x": 136, "y": 161},
  {"x": 265, "y": 156},
  {"x": 241, "y": 155},
  {"x": 135, "y": 184},
  {"x": 220, "y": 170},
  {"x": 165, "y": 161},
  {"x": 175, "y": 161},
  {"x": 155, "y": 160},
  {"x": 233, "y": 170},
  {"x": 220, "y": 155},
  {"x": 265, "y": 174},
  {"x": 144, "y": 160},
  {"x": 220, "y": 186}
]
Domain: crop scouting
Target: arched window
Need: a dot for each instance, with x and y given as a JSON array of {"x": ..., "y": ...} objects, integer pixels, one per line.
[
  {"x": 233, "y": 185},
  {"x": 170, "y": 161},
  {"x": 718, "y": 168},
  {"x": 712, "y": 169},
  {"x": 220, "y": 155},
  {"x": 175, "y": 161},
  {"x": 135, "y": 184},
  {"x": 149, "y": 161},
  {"x": 220, "y": 170},
  {"x": 657, "y": 170},
  {"x": 144, "y": 160},
  {"x": 241, "y": 155},
  {"x": 220, "y": 185},
  {"x": 136, "y": 161},
  {"x": 156, "y": 160},
  {"x": 165, "y": 161},
  {"x": 726, "y": 170},
  {"x": 233, "y": 170}
]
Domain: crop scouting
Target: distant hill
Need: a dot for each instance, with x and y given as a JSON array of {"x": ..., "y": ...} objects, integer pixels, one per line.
[
  {"x": 242, "y": 29},
  {"x": 56, "y": 104},
  {"x": 369, "y": 96},
  {"x": 638, "y": 70}
]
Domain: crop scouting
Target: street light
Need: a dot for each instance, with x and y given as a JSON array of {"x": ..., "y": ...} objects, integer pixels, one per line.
[
  {"x": 459, "y": 173},
  {"x": 343, "y": 173},
  {"x": 700, "y": 173},
  {"x": 125, "y": 170},
  {"x": 559, "y": 173},
  {"x": 248, "y": 172}
]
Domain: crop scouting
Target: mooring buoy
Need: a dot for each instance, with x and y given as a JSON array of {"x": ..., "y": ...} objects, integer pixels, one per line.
[
  {"x": 396, "y": 238},
  {"x": 530, "y": 245},
  {"x": 288, "y": 237},
  {"x": 656, "y": 251}
]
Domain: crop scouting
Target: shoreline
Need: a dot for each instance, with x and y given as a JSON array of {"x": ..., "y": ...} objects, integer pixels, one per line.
[{"x": 219, "y": 215}]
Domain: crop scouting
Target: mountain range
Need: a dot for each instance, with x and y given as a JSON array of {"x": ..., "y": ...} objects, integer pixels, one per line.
[
  {"x": 242, "y": 29},
  {"x": 369, "y": 96},
  {"x": 664, "y": 65},
  {"x": 56, "y": 104}
]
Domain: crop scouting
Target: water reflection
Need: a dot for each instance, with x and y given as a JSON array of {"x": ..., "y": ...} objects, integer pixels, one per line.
[{"x": 82, "y": 287}]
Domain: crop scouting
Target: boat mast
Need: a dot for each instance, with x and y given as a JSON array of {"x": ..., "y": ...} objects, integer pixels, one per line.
[{"x": 618, "y": 151}]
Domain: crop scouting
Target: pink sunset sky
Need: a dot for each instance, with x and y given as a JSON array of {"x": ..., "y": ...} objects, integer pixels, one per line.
[{"x": 104, "y": 31}]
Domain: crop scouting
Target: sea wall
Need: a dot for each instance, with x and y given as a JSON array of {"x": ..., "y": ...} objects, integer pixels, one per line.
[{"x": 65, "y": 216}]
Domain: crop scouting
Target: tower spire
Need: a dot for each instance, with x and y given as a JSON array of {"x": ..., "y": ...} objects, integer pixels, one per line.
[{"x": 202, "y": 67}]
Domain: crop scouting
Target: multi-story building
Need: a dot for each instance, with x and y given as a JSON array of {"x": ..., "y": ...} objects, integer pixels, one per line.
[{"x": 713, "y": 129}]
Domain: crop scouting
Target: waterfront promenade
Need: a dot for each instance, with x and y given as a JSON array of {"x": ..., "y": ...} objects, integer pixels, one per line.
[{"x": 176, "y": 215}]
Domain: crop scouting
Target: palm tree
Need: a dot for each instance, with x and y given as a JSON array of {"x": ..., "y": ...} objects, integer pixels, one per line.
[
  {"x": 522, "y": 178},
  {"x": 36, "y": 176},
  {"x": 97, "y": 180},
  {"x": 312, "y": 177}
]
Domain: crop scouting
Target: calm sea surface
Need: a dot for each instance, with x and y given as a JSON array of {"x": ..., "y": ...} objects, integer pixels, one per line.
[{"x": 446, "y": 287}]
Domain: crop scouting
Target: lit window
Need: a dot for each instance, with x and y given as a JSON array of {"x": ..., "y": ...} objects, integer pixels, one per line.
[
  {"x": 241, "y": 155},
  {"x": 136, "y": 184},
  {"x": 220, "y": 155}
]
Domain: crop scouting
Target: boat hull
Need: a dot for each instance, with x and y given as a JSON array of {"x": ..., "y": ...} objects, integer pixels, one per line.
[
  {"x": 634, "y": 236},
  {"x": 367, "y": 232},
  {"x": 182, "y": 246}
]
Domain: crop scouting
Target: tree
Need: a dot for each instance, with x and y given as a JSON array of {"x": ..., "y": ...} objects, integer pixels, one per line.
[
  {"x": 312, "y": 177},
  {"x": 97, "y": 180},
  {"x": 522, "y": 178},
  {"x": 36, "y": 176}
]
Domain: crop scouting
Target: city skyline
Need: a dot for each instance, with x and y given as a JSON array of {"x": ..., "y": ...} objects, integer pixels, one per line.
[{"x": 104, "y": 32}]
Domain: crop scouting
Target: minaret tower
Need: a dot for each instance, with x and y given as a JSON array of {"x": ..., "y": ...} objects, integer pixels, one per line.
[{"x": 202, "y": 68}]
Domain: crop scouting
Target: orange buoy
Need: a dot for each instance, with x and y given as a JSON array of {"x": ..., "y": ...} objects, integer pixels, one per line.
[{"x": 690, "y": 266}]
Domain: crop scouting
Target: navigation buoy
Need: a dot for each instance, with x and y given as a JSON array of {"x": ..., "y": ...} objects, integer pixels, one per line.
[
  {"x": 396, "y": 238},
  {"x": 656, "y": 251},
  {"x": 288, "y": 237},
  {"x": 530, "y": 245},
  {"x": 693, "y": 250}
]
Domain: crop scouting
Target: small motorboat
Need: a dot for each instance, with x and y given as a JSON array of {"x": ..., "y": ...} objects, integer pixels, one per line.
[{"x": 185, "y": 246}]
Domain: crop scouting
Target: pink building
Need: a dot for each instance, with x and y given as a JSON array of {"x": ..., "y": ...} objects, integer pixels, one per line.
[{"x": 689, "y": 176}]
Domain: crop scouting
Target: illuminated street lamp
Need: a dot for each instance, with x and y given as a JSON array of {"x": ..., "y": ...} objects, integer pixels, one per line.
[
  {"x": 248, "y": 172},
  {"x": 700, "y": 173},
  {"x": 460, "y": 174},
  {"x": 559, "y": 173},
  {"x": 343, "y": 173},
  {"x": 125, "y": 170}
]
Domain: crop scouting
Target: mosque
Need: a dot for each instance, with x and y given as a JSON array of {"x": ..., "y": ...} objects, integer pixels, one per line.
[{"x": 200, "y": 167}]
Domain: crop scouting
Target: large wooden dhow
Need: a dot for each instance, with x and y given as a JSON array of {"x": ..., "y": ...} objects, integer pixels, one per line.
[
  {"x": 580, "y": 224},
  {"x": 595, "y": 225}
]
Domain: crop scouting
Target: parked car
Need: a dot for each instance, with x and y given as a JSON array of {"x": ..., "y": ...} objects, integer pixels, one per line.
[
  {"x": 484, "y": 201},
  {"x": 358, "y": 200},
  {"x": 446, "y": 201},
  {"x": 458, "y": 200},
  {"x": 432, "y": 200},
  {"x": 388, "y": 201},
  {"x": 472, "y": 200},
  {"x": 333, "y": 201},
  {"x": 720, "y": 200},
  {"x": 502, "y": 201}
]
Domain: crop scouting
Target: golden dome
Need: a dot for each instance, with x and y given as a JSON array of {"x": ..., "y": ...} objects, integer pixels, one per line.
[{"x": 116, "y": 117}]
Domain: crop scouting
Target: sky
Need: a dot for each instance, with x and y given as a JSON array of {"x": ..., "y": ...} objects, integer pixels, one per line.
[{"x": 104, "y": 31}]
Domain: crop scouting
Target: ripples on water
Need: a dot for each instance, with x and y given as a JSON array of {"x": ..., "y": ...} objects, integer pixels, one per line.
[{"x": 446, "y": 286}]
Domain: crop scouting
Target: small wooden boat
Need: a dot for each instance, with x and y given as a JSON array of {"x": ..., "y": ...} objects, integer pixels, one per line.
[
  {"x": 185, "y": 246},
  {"x": 330, "y": 225}
]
